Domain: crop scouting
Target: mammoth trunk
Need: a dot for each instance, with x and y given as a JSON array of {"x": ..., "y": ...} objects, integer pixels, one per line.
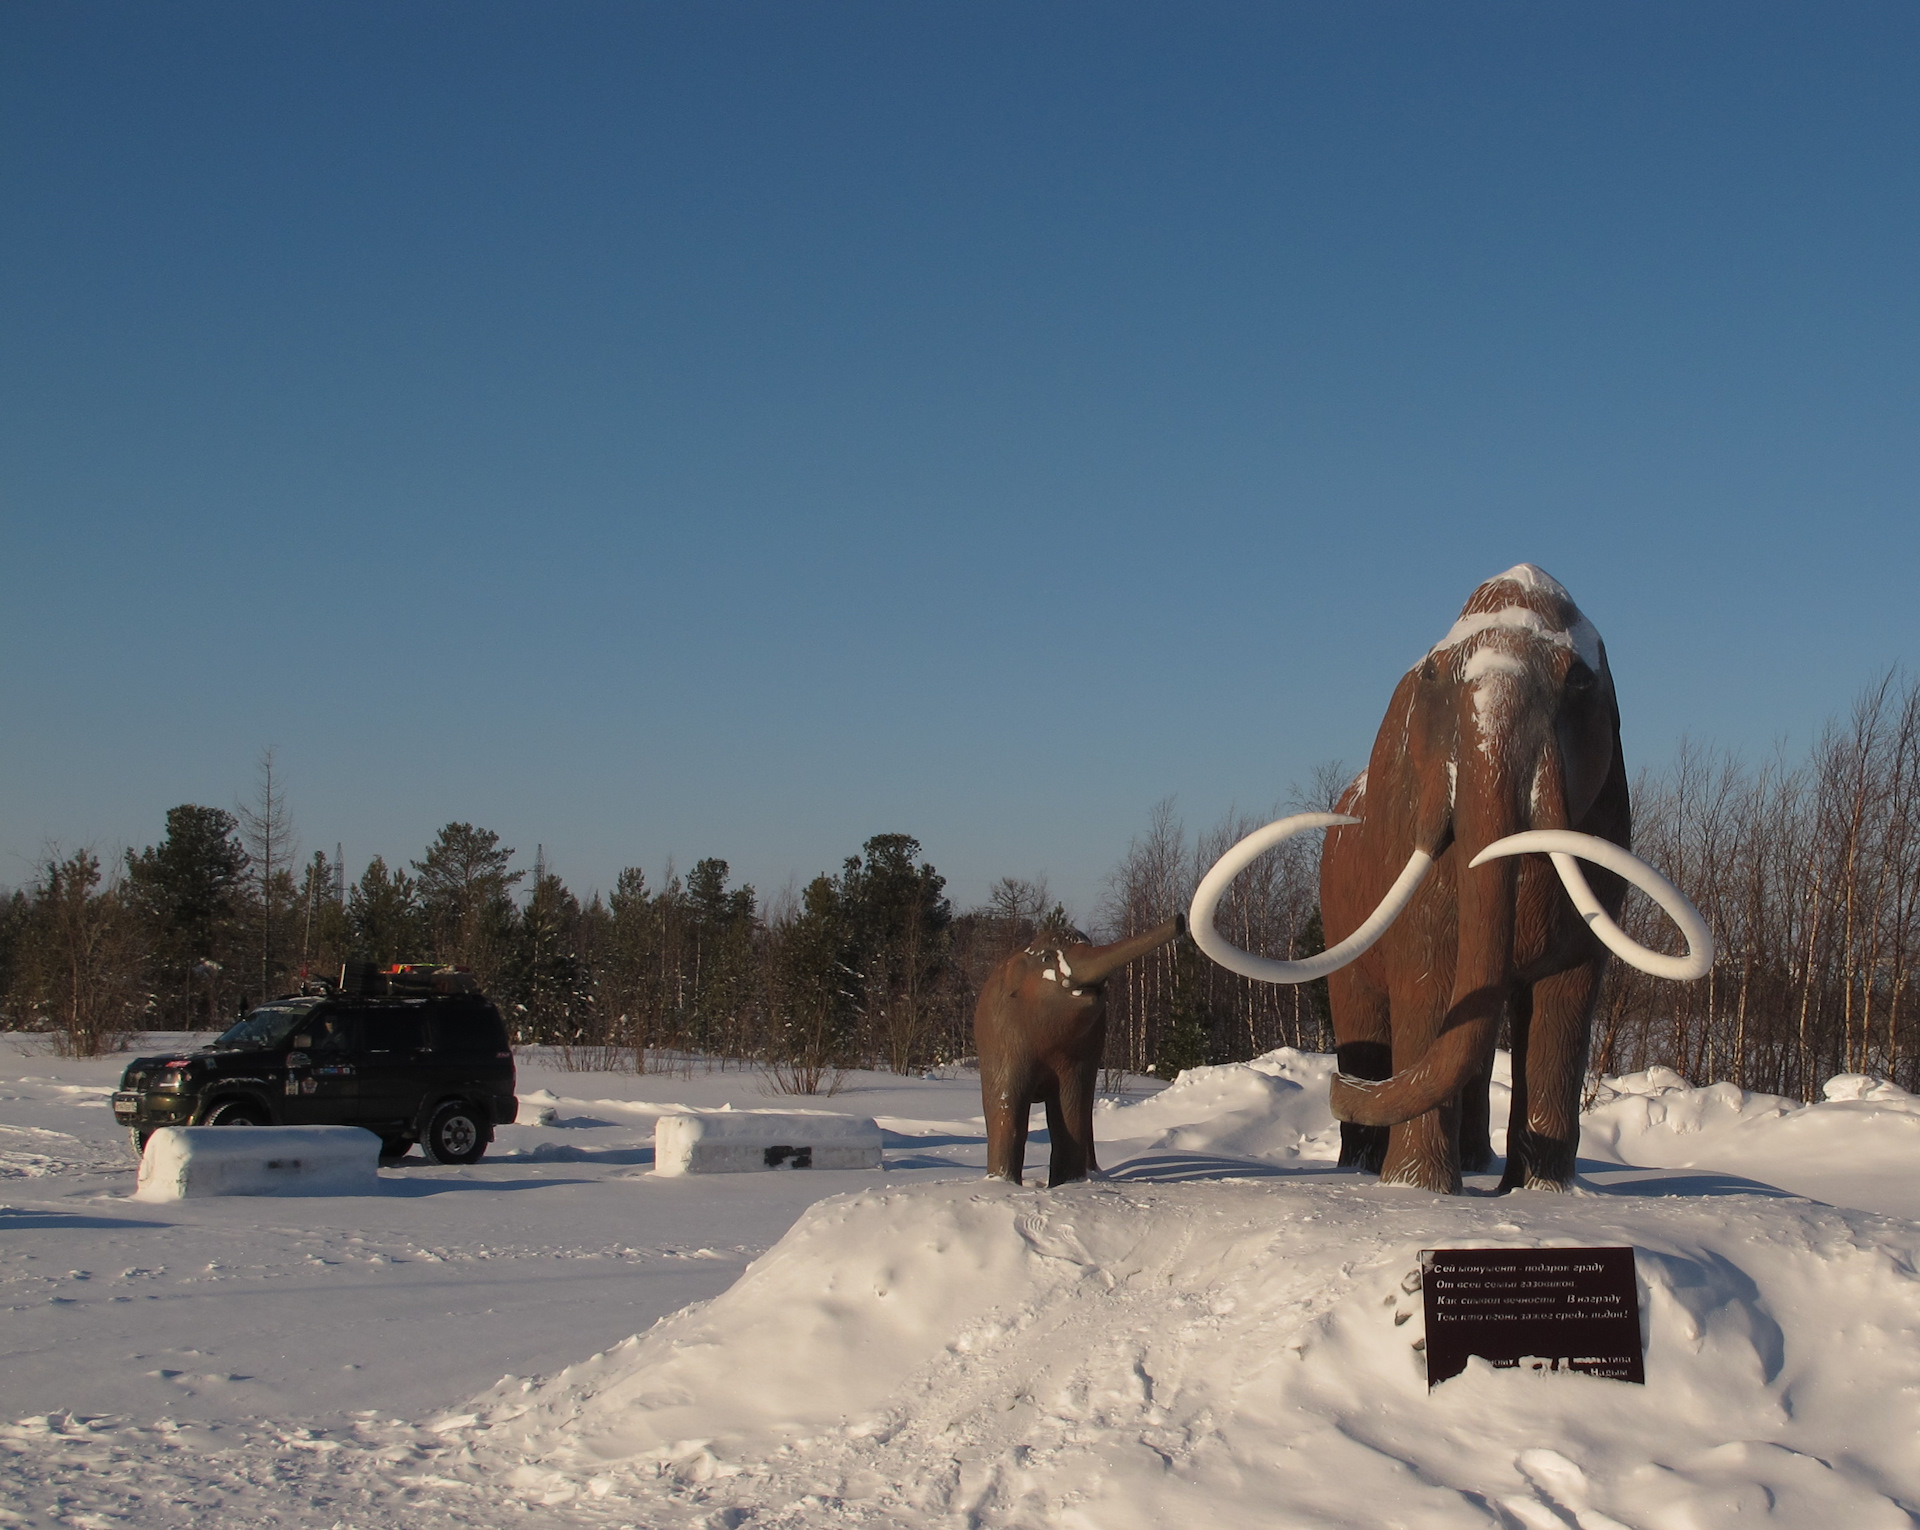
[
  {"x": 1095, "y": 964},
  {"x": 1485, "y": 809}
]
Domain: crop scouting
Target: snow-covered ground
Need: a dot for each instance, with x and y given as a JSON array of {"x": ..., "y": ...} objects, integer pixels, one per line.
[{"x": 1220, "y": 1329}]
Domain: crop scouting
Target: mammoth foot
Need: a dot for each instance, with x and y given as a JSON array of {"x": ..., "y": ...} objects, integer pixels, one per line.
[
  {"x": 1536, "y": 1161},
  {"x": 1535, "y": 1183},
  {"x": 1424, "y": 1155},
  {"x": 1422, "y": 1174}
]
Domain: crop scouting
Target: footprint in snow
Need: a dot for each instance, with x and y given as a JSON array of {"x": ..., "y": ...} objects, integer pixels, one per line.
[{"x": 1053, "y": 1240}]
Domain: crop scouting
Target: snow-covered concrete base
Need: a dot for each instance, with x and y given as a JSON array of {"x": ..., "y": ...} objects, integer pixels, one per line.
[
  {"x": 1208, "y": 1334},
  {"x": 740, "y": 1141},
  {"x": 181, "y": 1162},
  {"x": 1133, "y": 1355}
]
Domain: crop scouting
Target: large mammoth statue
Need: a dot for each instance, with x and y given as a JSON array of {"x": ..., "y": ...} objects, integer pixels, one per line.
[
  {"x": 1452, "y": 895},
  {"x": 1040, "y": 1027}
]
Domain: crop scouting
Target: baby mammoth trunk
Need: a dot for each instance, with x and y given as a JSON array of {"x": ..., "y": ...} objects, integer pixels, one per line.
[{"x": 1083, "y": 966}]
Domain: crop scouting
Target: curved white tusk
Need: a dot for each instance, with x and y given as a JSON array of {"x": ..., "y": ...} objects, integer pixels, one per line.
[
  {"x": 1563, "y": 845},
  {"x": 1266, "y": 969}
]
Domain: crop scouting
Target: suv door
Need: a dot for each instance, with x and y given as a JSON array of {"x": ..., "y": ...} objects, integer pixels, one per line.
[
  {"x": 399, "y": 1067},
  {"x": 323, "y": 1071}
]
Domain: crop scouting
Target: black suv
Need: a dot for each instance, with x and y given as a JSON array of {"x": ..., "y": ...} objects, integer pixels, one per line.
[{"x": 434, "y": 1069}]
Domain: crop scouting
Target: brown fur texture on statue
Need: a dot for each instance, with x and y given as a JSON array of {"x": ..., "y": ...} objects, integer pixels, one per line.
[
  {"x": 1452, "y": 895},
  {"x": 1509, "y": 723},
  {"x": 1040, "y": 1029}
]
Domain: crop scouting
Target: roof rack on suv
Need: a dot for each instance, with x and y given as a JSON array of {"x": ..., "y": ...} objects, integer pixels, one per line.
[{"x": 374, "y": 980}]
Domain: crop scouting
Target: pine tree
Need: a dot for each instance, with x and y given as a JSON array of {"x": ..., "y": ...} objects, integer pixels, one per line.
[
  {"x": 1187, "y": 1036},
  {"x": 899, "y": 925},
  {"x": 547, "y": 980},
  {"x": 78, "y": 963},
  {"x": 384, "y": 923},
  {"x": 15, "y": 912},
  {"x": 189, "y": 892},
  {"x": 465, "y": 895},
  {"x": 722, "y": 1008},
  {"x": 325, "y": 938},
  {"x": 816, "y": 1006},
  {"x": 629, "y": 978}
]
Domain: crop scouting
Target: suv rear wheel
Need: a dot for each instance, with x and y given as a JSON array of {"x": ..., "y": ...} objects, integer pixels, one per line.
[{"x": 456, "y": 1134}]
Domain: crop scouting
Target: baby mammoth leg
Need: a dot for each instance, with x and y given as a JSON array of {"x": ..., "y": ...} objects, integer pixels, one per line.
[
  {"x": 1070, "y": 1122},
  {"x": 1007, "y": 1110}
]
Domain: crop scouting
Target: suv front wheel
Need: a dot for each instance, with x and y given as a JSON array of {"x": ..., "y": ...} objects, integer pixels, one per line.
[
  {"x": 456, "y": 1134},
  {"x": 237, "y": 1113}
]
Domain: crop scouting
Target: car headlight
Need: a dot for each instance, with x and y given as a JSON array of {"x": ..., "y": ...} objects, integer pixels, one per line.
[{"x": 173, "y": 1080}]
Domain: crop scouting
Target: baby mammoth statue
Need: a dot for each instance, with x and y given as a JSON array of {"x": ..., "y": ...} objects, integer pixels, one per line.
[{"x": 1040, "y": 1028}]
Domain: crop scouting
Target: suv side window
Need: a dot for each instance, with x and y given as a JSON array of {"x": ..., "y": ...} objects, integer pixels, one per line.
[
  {"x": 468, "y": 1030},
  {"x": 395, "y": 1034},
  {"x": 325, "y": 1035},
  {"x": 333, "y": 1036}
]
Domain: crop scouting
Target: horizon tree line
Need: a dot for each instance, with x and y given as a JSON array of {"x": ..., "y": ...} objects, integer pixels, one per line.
[{"x": 1808, "y": 873}]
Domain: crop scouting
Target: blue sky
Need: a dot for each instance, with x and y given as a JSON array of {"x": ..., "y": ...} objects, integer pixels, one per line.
[{"x": 739, "y": 429}]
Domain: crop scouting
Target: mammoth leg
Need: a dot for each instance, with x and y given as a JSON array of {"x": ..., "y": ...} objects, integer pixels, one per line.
[
  {"x": 1007, "y": 1111},
  {"x": 1550, "y": 1067},
  {"x": 1476, "y": 1121},
  {"x": 1425, "y": 1151},
  {"x": 1363, "y": 1048},
  {"x": 1520, "y": 1015}
]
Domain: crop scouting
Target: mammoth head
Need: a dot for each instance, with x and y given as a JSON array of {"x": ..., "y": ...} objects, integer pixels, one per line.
[
  {"x": 1517, "y": 703},
  {"x": 1509, "y": 730}
]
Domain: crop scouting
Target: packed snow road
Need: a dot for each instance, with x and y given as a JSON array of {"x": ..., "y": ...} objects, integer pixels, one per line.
[
  {"x": 560, "y": 1242},
  {"x": 1219, "y": 1329}
]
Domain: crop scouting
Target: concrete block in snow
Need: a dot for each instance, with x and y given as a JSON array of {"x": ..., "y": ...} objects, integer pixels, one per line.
[
  {"x": 181, "y": 1162},
  {"x": 738, "y": 1141}
]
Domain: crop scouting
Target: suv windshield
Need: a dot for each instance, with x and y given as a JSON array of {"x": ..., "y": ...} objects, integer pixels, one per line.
[{"x": 265, "y": 1028}]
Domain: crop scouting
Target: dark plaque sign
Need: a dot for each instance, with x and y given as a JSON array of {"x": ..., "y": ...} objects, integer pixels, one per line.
[{"x": 1545, "y": 1309}]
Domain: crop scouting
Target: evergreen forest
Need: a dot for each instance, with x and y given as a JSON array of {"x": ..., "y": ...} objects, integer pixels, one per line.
[{"x": 1808, "y": 871}]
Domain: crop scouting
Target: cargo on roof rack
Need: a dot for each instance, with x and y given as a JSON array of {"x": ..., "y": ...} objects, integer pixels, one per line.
[{"x": 372, "y": 979}]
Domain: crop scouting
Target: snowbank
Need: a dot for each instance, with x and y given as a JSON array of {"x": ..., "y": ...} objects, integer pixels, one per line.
[
  {"x": 1859, "y": 1146},
  {"x": 1121, "y": 1355},
  {"x": 540, "y": 1107},
  {"x": 186, "y": 1161},
  {"x": 1273, "y": 1108},
  {"x": 739, "y": 1141}
]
